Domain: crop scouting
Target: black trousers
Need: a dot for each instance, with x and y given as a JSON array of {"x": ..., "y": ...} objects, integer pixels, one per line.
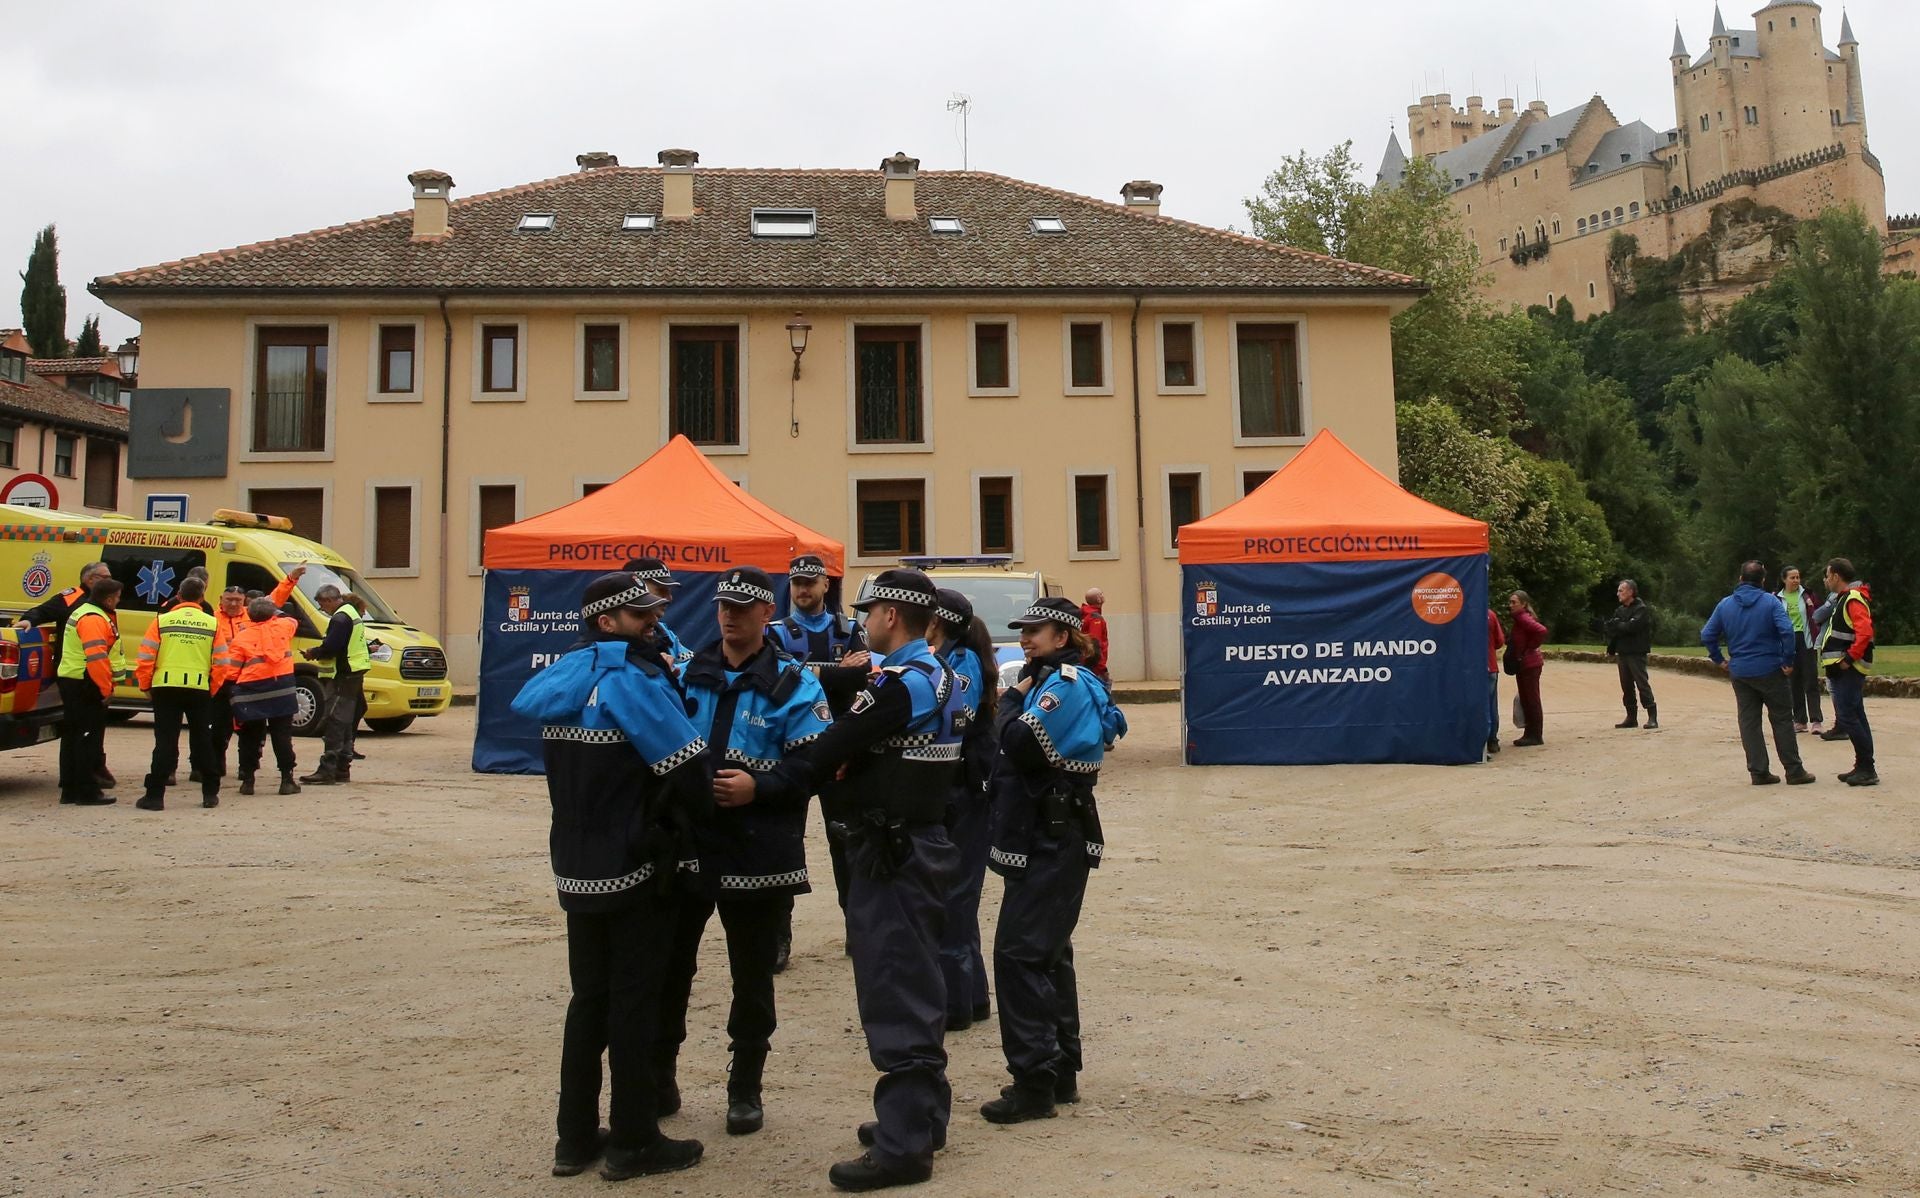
[
  {"x": 613, "y": 961},
  {"x": 1033, "y": 964},
  {"x": 220, "y": 721},
  {"x": 173, "y": 706},
  {"x": 253, "y": 736},
  {"x": 1768, "y": 696},
  {"x": 346, "y": 703},
  {"x": 83, "y": 733},
  {"x": 894, "y": 926},
  {"x": 753, "y": 925},
  {"x": 970, "y": 826},
  {"x": 1633, "y": 678},
  {"x": 1806, "y": 686}
]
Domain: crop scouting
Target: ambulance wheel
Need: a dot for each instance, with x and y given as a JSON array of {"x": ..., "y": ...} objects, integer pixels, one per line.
[
  {"x": 387, "y": 725},
  {"x": 308, "y": 702}
]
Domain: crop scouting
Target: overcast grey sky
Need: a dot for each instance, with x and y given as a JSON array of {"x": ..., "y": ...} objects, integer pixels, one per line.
[{"x": 150, "y": 130}]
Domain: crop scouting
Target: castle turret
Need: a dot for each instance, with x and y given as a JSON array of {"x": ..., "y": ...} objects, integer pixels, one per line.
[
  {"x": 1721, "y": 43},
  {"x": 1856, "y": 113},
  {"x": 1679, "y": 57},
  {"x": 1799, "y": 104}
]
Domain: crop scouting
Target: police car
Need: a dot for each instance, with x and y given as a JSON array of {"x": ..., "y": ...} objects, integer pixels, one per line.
[{"x": 998, "y": 592}]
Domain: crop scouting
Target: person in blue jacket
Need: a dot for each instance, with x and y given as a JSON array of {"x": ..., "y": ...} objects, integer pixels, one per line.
[
  {"x": 900, "y": 745},
  {"x": 653, "y": 573},
  {"x": 629, "y": 779},
  {"x": 1759, "y": 640},
  {"x": 1055, "y": 725},
  {"x": 960, "y": 639},
  {"x": 758, "y": 709}
]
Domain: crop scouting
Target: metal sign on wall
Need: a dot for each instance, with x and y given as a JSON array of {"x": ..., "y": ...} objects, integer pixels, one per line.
[
  {"x": 167, "y": 507},
  {"x": 178, "y": 432}
]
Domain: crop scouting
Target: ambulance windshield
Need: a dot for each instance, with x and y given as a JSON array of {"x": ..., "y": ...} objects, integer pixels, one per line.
[{"x": 348, "y": 580}]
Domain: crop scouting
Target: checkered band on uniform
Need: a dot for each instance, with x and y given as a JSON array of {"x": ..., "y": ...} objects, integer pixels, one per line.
[
  {"x": 808, "y": 570},
  {"x": 1070, "y": 619},
  {"x": 1010, "y": 860},
  {"x": 946, "y": 752},
  {"x": 796, "y": 877},
  {"x": 585, "y": 736},
  {"x": 660, "y": 575},
  {"x": 745, "y": 590},
  {"x": 797, "y": 741},
  {"x": 603, "y": 885},
  {"x": 898, "y": 595},
  {"x": 639, "y": 591},
  {"x": 681, "y": 756},
  {"x": 763, "y": 764},
  {"x": 951, "y": 617}
]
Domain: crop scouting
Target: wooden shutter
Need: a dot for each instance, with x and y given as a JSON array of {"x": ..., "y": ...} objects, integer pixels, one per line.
[
  {"x": 305, "y": 506},
  {"x": 393, "y": 528},
  {"x": 103, "y": 473},
  {"x": 996, "y": 515}
]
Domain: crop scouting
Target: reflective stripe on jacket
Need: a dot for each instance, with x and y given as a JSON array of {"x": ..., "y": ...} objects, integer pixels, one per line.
[
  {"x": 180, "y": 650},
  {"x": 90, "y": 648},
  {"x": 1837, "y": 639}
]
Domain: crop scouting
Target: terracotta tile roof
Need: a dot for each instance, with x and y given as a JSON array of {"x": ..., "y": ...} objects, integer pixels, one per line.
[
  {"x": 71, "y": 366},
  {"x": 1106, "y": 247},
  {"x": 46, "y": 402}
]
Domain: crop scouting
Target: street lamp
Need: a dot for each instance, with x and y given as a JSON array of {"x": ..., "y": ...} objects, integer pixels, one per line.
[
  {"x": 797, "y": 330},
  {"x": 129, "y": 355}
]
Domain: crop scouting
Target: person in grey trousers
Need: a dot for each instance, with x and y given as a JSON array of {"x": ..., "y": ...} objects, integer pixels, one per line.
[
  {"x": 1803, "y": 612},
  {"x": 1759, "y": 659},
  {"x": 1629, "y": 639}
]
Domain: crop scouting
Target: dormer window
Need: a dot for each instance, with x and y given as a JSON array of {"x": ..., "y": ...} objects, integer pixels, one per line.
[
  {"x": 948, "y": 225},
  {"x": 536, "y": 222},
  {"x": 1048, "y": 225},
  {"x": 639, "y": 222},
  {"x": 13, "y": 367},
  {"x": 785, "y": 224}
]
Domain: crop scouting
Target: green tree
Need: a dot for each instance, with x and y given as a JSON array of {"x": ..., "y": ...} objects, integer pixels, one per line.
[
  {"x": 43, "y": 301},
  {"x": 1733, "y": 431},
  {"x": 87, "y": 345},
  {"x": 1309, "y": 203}
]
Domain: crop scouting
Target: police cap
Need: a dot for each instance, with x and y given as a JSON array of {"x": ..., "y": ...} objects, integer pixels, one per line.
[
  {"x": 807, "y": 565},
  {"x": 1052, "y": 610},
  {"x": 620, "y": 589},
  {"x": 745, "y": 584},
  {"x": 902, "y": 585}
]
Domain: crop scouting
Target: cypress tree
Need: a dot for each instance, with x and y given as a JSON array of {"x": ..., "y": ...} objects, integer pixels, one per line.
[
  {"x": 43, "y": 301},
  {"x": 87, "y": 345}
]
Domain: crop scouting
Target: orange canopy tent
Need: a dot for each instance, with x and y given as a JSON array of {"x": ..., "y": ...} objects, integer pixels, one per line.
[
  {"x": 1330, "y": 616},
  {"x": 674, "y": 506},
  {"x": 1329, "y": 505}
]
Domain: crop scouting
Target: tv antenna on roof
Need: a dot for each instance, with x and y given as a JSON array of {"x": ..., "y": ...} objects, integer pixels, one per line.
[{"x": 962, "y": 104}]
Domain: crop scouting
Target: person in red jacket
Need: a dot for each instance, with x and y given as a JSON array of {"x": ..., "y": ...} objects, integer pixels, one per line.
[
  {"x": 1095, "y": 626},
  {"x": 1523, "y": 650},
  {"x": 1496, "y": 640}
]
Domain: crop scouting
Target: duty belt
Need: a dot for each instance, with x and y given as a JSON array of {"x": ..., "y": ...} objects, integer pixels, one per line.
[{"x": 877, "y": 846}]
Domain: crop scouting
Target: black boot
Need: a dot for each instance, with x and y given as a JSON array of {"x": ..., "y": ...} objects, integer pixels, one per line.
[
  {"x": 666, "y": 1088},
  {"x": 1493, "y": 745},
  {"x": 1653, "y": 716},
  {"x": 1028, "y": 1099},
  {"x": 745, "y": 1115},
  {"x": 661, "y": 1156},
  {"x": 246, "y": 784},
  {"x": 865, "y": 1173},
  {"x": 570, "y": 1160},
  {"x": 287, "y": 785},
  {"x": 1066, "y": 1088},
  {"x": 1632, "y": 720},
  {"x": 151, "y": 802},
  {"x": 321, "y": 777}
]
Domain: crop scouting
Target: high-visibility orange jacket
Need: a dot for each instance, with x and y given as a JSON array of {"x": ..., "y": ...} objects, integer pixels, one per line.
[
  {"x": 232, "y": 626},
  {"x": 264, "y": 651},
  {"x": 100, "y": 635}
]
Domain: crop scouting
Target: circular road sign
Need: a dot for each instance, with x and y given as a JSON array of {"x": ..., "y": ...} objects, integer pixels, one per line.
[{"x": 30, "y": 490}]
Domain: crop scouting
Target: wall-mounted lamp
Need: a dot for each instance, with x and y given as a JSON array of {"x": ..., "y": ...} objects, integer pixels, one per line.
[{"x": 797, "y": 330}]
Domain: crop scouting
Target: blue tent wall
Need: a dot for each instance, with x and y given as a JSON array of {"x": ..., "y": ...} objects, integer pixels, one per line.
[
  {"x": 511, "y": 650},
  {"x": 1432, "y": 710}
]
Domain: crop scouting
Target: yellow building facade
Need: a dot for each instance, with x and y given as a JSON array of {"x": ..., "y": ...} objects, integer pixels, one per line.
[
  {"x": 988, "y": 367},
  {"x": 1767, "y": 114}
]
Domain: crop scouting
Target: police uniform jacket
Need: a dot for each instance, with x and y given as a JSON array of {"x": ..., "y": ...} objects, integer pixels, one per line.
[
  {"x": 977, "y": 744},
  {"x": 1052, "y": 741},
  {"x": 626, "y": 771},
  {"x": 677, "y": 652},
  {"x": 758, "y": 718},
  {"x": 821, "y": 650},
  {"x": 898, "y": 740}
]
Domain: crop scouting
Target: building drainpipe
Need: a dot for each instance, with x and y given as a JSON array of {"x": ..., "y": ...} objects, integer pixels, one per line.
[
  {"x": 446, "y": 451},
  {"x": 1140, "y": 497}
]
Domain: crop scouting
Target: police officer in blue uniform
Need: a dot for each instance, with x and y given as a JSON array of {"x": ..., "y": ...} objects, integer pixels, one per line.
[
  {"x": 901, "y": 748},
  {"x": 1055, "y": 725},
  {"x": 659, "y": 581},
  {"x": 629, "y": 779},
  {"x": 835, "y": 649},
  {"x": 758, "y": 709},
  {"x": 963, "y": 642}
]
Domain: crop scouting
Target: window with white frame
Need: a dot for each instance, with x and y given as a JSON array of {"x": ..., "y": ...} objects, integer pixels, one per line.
[
  {"x": 1090, "y": 510},
  {"x": 1269, "y": 401},
  {"x": 1089, "y": 358},
  {"x": 600, "y": 357},
  {"x": 393, "y": 528},
  {"x": 890, "y": 517},
  {"x": 499, "y": 358},
  {"x": 995, "y": 518},
  {"x": 889, "y": 387},
  {"x": 496, "y": 504},
  {"x": 993, "y": 363},
  {"x": 1182, "y": 369},
  {"x": 1186, "y": 502}
]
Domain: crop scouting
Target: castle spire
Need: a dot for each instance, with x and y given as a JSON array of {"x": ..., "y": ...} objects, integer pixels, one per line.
[
  {"x": 1846, "y": 30},
  {"x": 1719, "y": 23},
  {"x": 1679, "y": 45}
]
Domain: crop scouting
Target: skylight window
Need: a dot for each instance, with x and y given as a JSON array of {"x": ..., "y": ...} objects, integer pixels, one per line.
[
  {"x": 1049, "y": 224},
  {"x": 945, "y": 224},
  {"x": 536, "y": 222},
  {"x": 786, "y": 223},
  {"x": 638, "y": 222}
]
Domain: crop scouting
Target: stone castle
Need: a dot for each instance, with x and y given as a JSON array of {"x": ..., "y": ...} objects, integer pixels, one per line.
[{"x": 1770, "y": 126}]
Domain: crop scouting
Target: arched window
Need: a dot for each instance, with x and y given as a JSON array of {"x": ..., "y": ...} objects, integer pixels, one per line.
[
  {"x": 1633, "y": 209},
  {"x": 1593, "y": 220},
  {"x": 1580, "y": 226},
  {"x": 1556, "y": 226},
  {"x": 1619, "y": 213}
]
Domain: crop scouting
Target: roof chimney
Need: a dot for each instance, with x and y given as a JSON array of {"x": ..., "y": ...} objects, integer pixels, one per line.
[
  {"x": 900, "y": 172},
  {"x": 431, "y": 189},
  {"x": 1142, "y": 195},
  {"x": 676, "y": 184},
  {"x": 594, "y": 160}
]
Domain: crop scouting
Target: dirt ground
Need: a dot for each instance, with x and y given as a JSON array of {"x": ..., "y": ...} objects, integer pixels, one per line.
[{"x": 1608, "y": 965}]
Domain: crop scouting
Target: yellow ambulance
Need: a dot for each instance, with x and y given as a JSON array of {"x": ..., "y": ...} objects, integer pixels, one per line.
[{"x": 42, "y": 551}]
